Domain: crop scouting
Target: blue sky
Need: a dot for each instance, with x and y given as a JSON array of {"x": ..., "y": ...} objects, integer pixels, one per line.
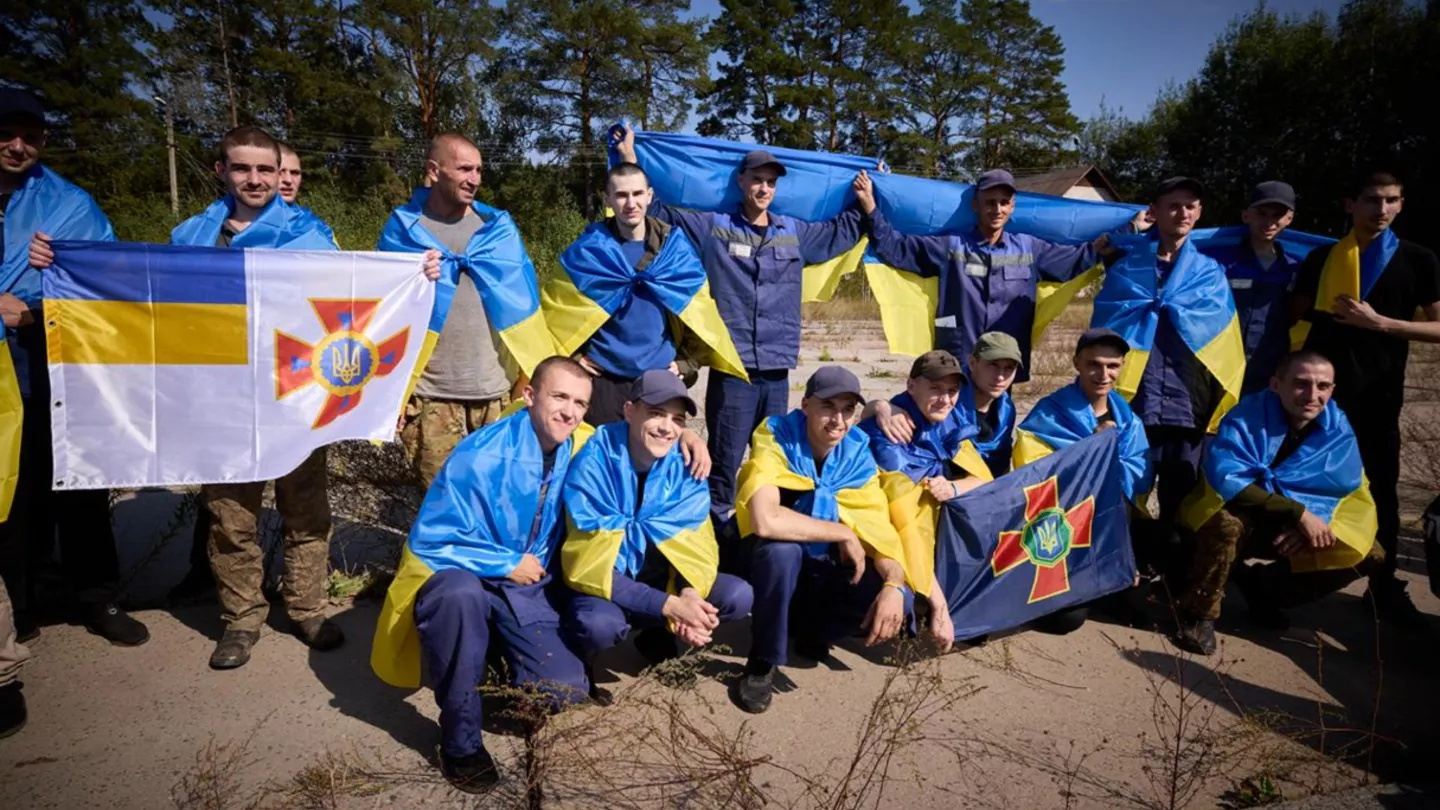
[{"x": 1125, "y": 51}]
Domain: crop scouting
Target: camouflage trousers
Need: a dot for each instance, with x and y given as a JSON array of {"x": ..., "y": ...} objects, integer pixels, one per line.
[
  {"x": 13, "y": 654},
  {"x": 434, "y": 426},
  {"x": 238, "y": 561},
  {"x": 1236, "y": 534}
]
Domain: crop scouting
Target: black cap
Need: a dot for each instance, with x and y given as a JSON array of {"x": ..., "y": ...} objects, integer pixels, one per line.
[
  {"x": 659, "y": 386},
  {"x": 1101, "y": 335},
  {"x": 832, "y": 381},
  {"x": 995, "y": 178},
  {"x": 1170, "y": 184},
  {"x": 936, "y": 365},
  {"x": 1273, "y": 191},
  {"x": 17, "y": 104},
  {"x": 760, "y": 157}
]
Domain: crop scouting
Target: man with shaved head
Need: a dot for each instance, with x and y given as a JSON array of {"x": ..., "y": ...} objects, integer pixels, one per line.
[{"x": 465, "y": 385}]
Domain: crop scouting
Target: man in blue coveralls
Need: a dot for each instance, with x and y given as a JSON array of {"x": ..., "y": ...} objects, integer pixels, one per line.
[
  {"x": 1261, "y": 278},
  {"x": 988, "y": 277},
  {"x": 754, "y": 260}
]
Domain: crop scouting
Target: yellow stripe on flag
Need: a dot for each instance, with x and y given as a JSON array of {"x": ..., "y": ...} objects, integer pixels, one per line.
[
  {"x": 570, "y": 314},
  {"x": 145, "y": 333},
  {"x": 702, "y": 317},
  {"x": 1051, "y": 299},
  {"x": 1224, "y": 356},
  {"x": 820, "y": 280},
  {"x": 12, "y": 414},
  {"x": 529, "y": 341},
  {"x": 908, "y": 304},
  {"x": 1130, "y": 373}
]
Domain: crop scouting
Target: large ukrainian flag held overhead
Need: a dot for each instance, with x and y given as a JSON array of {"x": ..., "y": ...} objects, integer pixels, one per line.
[{"x": 185, "y": 365}]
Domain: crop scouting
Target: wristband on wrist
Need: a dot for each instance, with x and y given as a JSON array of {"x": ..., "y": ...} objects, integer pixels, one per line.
[
  {"x": 954, "y": 490},
  {"x": 896, "y": 585}
]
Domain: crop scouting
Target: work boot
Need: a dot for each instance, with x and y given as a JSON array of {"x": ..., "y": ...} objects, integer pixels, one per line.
[
  {"x": 12, "y": 709},
  {"x": 754, "y": 690},
  {"x": 318, "y": 633},
  {"x": 475, "y": 773},
  {"x": 234, "y": 649},
  {"x": 114, "y": 625},
  {"x": 1196, "y": 636},
  {"x": 1388, "y": 599},
  {"x": 656, "y": 645}
]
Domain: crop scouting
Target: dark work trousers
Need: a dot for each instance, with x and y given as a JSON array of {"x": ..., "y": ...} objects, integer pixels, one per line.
[
  {"x": 1376, "y": 422},
  {"x": 1175, "y": 453},
  {"x": 594, "y": 624},
  {"x": 608, "y": 395},
  {"x": 458, "y": 615},
  {"x": 79, "y": 518},
  {"x": 807, "y": 597},
  {"x": 733, "y": 409}
]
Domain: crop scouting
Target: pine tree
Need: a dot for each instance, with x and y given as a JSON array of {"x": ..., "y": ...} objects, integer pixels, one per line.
[{"x": 933, "y": 84}]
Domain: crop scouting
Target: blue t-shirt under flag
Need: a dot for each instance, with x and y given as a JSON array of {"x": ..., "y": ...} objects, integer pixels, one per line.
[{"x": 636, "y": 339}]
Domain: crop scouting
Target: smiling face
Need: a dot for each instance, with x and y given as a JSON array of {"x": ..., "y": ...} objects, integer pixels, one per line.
[
  {"x": 290, "y": 176},
  {"x": 20, "y": 144},
  {"x": 935, "y": 398},
  {"x": 1267, "y": 221},
  {"x": 992, "y": 377},
  {"x": 1099, "y": 368},
  {"x": 654, "y": 429},
  {"x": 1304, "y": 387},
  {"x": 628, "y": 196},
  {"x": 1175, "y": 213},
  {"x": 828, "y": 420},
  {"x": 757, "y": 188},
  {"x": 1374, "y": 209},
  {"x": 454, "y": 172},
  {"x": 251, "y": 174},
  {"x": 557, "y": 402},
  {"x": 993, "y": 208}
]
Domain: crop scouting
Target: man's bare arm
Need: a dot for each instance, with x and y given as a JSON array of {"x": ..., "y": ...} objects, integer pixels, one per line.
[{"x": 775, "y": 522}]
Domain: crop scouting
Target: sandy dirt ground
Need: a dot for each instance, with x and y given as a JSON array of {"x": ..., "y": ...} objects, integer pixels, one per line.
[{"x": 1107, "y": 717}]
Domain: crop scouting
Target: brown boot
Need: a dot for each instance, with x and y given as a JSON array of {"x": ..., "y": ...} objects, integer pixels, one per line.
[
  {"x": 234, "y": 649},
  {"x": 318, "y": 633}
]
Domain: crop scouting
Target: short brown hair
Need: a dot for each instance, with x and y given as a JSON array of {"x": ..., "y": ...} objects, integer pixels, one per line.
[
  {"x": 625, "y": 169},
  {"x": 1295, "y": 358},
  {"x": 1371, "y": 179},
  {"x": 555, "y": 363},
  {"x": 444, "y": 139},
  {"x": 247, "y": 136},
  {"x": 286, "y": 149}
]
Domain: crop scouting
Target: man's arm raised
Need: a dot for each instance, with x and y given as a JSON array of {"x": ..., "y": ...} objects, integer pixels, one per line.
[{"x": 927, "y": 256}]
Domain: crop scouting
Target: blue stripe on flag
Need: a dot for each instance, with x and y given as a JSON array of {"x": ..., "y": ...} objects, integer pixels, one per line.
[{"x": 162, "y": 274}]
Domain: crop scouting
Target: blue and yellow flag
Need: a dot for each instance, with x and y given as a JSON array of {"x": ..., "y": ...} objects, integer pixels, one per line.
[
  {"x": 1195, "y": 299},
  {"x": 847, "y": 490},
  {"x": 1065, "y": 417},
  {"x": 1049, "y": 536},
  {"x": 1324, "y": 474},
  {"x": 598, "y": 281},
  {"x": 280, "y": 225},
  {"x": 12, "y": 417},
  {"x": 903, "y": 468},
  {"x": 496, "y": 262},
  {"x": 478, "y": 516},
  {"x": 995, "y": 450},
  {"x": 1348, "y": 271},
  {"x": 608, "y": 534}
]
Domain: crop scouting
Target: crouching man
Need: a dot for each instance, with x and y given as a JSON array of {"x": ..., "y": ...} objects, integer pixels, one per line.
[
  {"x": 474, "y": 571},
  {"x": 1282, "y": 480},
  {"x": 641, "y": 550},
  {"x": 826, "y": 562}
]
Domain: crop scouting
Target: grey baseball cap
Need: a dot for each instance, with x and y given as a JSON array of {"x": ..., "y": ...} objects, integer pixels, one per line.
[
  {"x": 659, "y": 386},
  {"x": 995, "y": 178},
  {"x": 760, "y": 157},
  {"x": 832, "y": 381},
  {"x": 997, "y": 346},
  {"x": 1170, "y": 184},
  {"x": 1273, "y": 191}
]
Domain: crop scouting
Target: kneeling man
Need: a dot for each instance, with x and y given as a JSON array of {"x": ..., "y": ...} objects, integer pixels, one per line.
[
  {"x": 1282, "y": 480},
  {"x": 474, "y": 570},
  {"x": 640, "y": 549},
  {"x": 826, "y": 562}
]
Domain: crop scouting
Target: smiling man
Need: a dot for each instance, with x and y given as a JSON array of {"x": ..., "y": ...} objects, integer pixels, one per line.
[
  {"x": 640, "y": 551},
  {"x": 1359, "y": 298},
  {"x": 1282, "y": 481},
  {"x": 826, "y": 562}
]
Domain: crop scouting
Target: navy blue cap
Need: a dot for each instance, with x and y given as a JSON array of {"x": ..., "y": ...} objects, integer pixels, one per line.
[
  {"x": 16, "y": 103},
  {"x": 659, "y": 386},
  {"x": 760, "y": 157},
  {"x": 1273, "y": 191},
  {"x": 832, "y": 381},
  {"x": 1170, "y": 184},
  {"x": 1101, "y": 335},
  {"x": 995, "y": 178}
]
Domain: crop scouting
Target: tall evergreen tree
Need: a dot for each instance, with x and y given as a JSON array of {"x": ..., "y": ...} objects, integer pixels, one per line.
[
  {"x": 933, "y": 84},
  {"x": 754, "y": 95}
]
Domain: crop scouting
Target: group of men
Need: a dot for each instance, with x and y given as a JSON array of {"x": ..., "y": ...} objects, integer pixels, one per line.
[{"x": 568, "y": 505}]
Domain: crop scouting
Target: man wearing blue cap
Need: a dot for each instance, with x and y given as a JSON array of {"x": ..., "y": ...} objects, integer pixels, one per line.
[
  {"x": 988, "y": 278},
  {"x": 1261, "y": 278},
  {"x": 754, "y": 260},
  {"x": 827, "y": 562}
]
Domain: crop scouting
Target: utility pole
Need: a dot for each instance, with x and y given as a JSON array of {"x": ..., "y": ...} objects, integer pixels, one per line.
[{"x": 170, "y": 147}]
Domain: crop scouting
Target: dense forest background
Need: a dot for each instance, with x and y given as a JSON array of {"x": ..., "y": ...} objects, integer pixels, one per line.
[{"x": 937, "y": 89}]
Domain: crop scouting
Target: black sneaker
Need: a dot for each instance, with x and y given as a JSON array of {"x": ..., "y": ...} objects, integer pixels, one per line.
[
  {"x": 12, "y": 709},
  {"x": 656, "y": 645},
  {"x": 1391, "y": 602},
  {"x": 475, "y": 773},
  {"x": 1196, "y": 636},
  {"x": 755, "y": 689},
  {"x": 233, "y": 650},
  {"x": 318, "y": 633},
  {"x": 115, "y": 625}
]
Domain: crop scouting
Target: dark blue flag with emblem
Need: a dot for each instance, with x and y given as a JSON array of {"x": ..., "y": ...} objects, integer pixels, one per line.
[{"x": 1049, "y": 536}]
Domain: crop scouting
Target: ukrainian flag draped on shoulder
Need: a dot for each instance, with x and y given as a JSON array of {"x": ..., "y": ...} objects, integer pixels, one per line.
[
  {"x": 1196, "y": 300},
  {"x": 1324, "y": 474},
  {"x": 1065, "y": 417},
  {"x": 48, "y": 203},
  {"x": 477, "y": 516},
  {"x": 598, "y": 281},
  {"x": 913, "y": 510},
  {"x": 607, "y": 534},
  {"x": 995, "y": 450},
  {"x": 280, "y": 225},
  {"x": 846, "y": 490},
  {"x": 496, "y": 261},
  {"x": 1348, "y": 271}
]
